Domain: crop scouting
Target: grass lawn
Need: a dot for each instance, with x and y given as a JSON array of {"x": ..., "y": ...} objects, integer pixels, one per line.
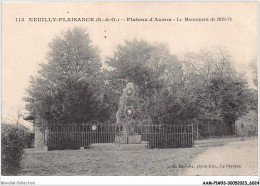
[{"x": 109, "y": 160}]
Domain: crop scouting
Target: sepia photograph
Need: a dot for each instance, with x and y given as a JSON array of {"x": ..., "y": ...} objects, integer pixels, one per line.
[{"x": 145, "y": 89}]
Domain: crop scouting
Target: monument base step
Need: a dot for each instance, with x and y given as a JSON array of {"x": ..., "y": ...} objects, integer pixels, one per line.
[{"x": 130, "y": 139}]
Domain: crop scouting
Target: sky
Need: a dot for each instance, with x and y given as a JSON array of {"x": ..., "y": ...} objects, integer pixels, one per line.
[{"x": 25, "y": 43}]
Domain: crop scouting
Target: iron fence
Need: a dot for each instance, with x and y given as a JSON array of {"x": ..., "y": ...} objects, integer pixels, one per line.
[{"x": 74, "y": 136}]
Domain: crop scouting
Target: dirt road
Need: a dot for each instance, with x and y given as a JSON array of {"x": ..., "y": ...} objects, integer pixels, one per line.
[{"x": 233, "y": 159}]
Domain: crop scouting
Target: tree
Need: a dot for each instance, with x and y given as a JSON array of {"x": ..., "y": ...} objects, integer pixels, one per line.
[
  {"x": 141, "y": 63},
  {"x": 224, "y": 93},
  {"x": 254, "y": 72},
  {"x": 19, "y": 115},
  {"x": 231, "y": 98},
  {"x": 206, "y": 87},
  {"x": 69, "y": 86}
]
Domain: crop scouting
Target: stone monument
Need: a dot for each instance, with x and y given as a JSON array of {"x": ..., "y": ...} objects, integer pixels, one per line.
[{"x": 125, "y": 116}]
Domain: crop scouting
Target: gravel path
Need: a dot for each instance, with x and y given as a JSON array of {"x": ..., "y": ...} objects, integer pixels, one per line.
[{"x": 233, "y": 159}]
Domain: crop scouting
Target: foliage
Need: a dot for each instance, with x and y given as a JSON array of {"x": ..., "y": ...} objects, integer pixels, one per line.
[
  {"x": 141, "y": 63},
  {"x": 254, "y": 72},
  {"x": 208, "y": 88},
  {"x": 29, "y": 139},
  {"x": 69, "y": 87},
  {"x": 202, "y": 86},
  {"x": 167, "y": 106},
  {"x": 230, "y": 96},
  {"x": 13, "y": 141}
]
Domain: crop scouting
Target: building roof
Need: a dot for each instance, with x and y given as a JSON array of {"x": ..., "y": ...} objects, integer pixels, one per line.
[{"x": 29, "y": 117}]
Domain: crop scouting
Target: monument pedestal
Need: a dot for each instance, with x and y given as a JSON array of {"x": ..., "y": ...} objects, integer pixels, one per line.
[
  {"x": 134, "y": 139},
  {"x": 130, "y": 139},
  {"x": 121, "y": 139}
]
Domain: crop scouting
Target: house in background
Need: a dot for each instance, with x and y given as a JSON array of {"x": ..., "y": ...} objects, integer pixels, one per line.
[{"x": 246, "y": 125}]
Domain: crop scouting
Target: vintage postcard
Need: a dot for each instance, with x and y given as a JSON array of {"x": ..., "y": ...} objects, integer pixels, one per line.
[{"x": 129, "y": 89}]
